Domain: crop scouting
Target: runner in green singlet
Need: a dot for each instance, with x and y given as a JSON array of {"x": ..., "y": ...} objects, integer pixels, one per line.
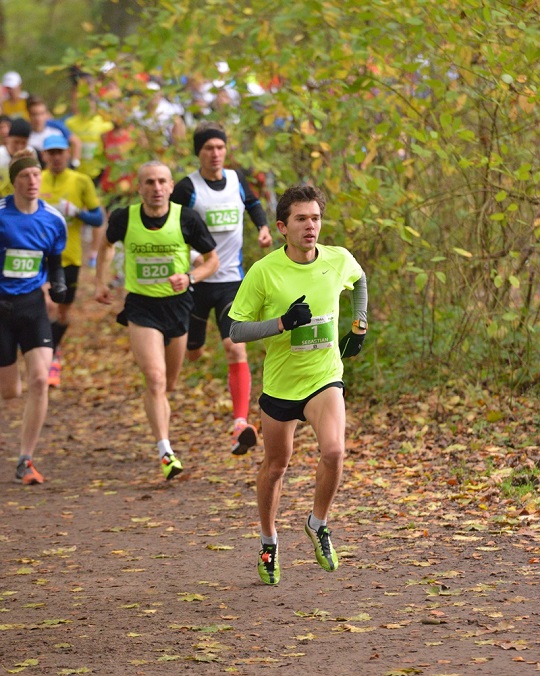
[{"x": 290, "y": 299}]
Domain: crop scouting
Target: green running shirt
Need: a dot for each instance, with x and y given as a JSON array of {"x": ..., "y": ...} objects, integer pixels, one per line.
[{"x": 300, "y": 361}]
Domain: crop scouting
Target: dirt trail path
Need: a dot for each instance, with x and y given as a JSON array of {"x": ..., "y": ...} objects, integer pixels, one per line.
[{"x": 107, "y": 569}]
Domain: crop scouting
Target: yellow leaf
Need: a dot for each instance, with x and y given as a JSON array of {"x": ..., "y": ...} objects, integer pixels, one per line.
[
  {"x": 192, "y": 597},
  {"x": 462, "y": 252}
]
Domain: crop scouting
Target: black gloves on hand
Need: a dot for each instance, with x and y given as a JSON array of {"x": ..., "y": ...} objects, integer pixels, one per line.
[
  {"x": 57, "y": 292},
  {"x": 351, "y": 344},
  {"x": 298, "y": 314}
]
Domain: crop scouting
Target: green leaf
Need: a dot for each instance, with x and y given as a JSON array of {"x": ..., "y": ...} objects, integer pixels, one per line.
[
  {"x": 421, "y": 281},
  {"x": 441, "y": 277},
  {"x": 462, "y": 252},
  {"x": 492, "y": 329}
]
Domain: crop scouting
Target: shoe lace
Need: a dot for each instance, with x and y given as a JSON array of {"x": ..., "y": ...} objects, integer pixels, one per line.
[
  {"x": 324, "y": 538},
  {"x": 268, "y": 556}
]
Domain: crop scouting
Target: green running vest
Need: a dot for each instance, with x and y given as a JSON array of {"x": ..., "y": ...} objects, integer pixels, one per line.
[{"x": 152, "y": 256}]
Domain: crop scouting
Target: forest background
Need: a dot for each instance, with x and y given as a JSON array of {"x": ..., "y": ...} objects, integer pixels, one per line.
[{"x": 418, "y": 119}]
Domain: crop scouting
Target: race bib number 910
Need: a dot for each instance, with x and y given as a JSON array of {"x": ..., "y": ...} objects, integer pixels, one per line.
[
  {"x": 154, "y": 270},
  {"x": 22, "y": 263},
  {"x": 317, "y": 335}
]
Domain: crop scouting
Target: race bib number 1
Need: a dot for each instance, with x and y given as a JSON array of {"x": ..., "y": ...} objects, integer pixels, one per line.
[
  {"x": 22, "y": 263},
  {"x": 317, "y": 335},
  {"x": 154, "y": 270}
]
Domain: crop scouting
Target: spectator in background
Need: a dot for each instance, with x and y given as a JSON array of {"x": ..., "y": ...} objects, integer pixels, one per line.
[
  {"x": 44, "y": 126},
  {"x": 5, "y": 125},
  {"x": 74, "y": 195},
  {"x": 14, "y": 102},
  {"x": 160, "y": 117},
  {"x": 118, "y": 180},
  {"x": 17, "y": 139},
  {"x": 90, "y": 126}
]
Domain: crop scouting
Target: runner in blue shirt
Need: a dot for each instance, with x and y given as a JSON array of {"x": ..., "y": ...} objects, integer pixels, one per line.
[{"x": 32, "y": 238}]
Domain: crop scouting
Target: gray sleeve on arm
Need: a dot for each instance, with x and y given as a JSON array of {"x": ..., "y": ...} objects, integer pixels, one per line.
[
  {"x": 245, "y": 332},
  {"x": 360, "y": 299}
]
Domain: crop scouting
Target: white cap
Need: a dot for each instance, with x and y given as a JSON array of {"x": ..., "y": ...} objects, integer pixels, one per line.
[
  {"x": 11, "y": 79},
  {"x": 107, "y": 66}
]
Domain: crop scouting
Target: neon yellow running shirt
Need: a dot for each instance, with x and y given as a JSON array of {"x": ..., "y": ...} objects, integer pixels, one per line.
[{"x": 298, "y": 362}]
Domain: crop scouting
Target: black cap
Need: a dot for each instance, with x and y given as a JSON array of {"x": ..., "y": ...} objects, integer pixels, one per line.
[{"x": 20, "y": 127}]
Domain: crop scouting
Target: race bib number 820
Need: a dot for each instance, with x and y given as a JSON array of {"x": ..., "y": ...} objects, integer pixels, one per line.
[{"x": 154, "y": 270}]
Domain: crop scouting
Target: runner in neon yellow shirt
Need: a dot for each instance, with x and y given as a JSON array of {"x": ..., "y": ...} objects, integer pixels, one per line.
[
  {"x": 290, "y": 299},
  {"x": 75, "y": 197}
]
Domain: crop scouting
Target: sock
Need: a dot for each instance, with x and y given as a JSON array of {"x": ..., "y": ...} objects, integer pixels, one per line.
[
  {"x": 240, "y": 388},
  {"x": 269, "y": 539},
  {"x": 58, "y": 331},
  {"x": 315, "y": 523},
  {"x": 164, "y": 447}
]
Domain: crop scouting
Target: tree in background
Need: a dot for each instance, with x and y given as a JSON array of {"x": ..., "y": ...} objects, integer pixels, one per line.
[
  {"x": 34, "y": 35},
  {"x": 420, "y": 120}
]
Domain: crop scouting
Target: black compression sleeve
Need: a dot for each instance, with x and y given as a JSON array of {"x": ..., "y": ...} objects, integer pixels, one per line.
[{"x": 55, "y": 269}]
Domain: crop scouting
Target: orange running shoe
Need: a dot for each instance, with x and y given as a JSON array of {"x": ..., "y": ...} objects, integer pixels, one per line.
[
  {"x": 54, "y": 373},
  {"x": 27, "y": 473},
  {"x": 244, "y": 437}
]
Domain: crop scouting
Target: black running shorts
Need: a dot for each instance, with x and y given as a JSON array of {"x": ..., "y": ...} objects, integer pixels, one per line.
[
  {"x": 170, "y": 314},
  {"x": 208, "y": 296},
  {"x": 23, "y": 323},
  {"x": 289, "y": 409}
]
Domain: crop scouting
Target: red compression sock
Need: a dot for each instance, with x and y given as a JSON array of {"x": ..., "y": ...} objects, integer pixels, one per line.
[{"x": 240, "y": 388}]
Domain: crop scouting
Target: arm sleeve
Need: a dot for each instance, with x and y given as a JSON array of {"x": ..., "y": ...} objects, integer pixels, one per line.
[
  {"x": 183, "y": 192},
  {"x": 252, "y": 204},
  {"x": 360, "y": 299},
  {"x": 195, "y": 232},
  {"x": 93, "y": 217},
  {"x": 245, "y": 332},
  {"x": 55, "y": 269},
  {"x": 117, "y": 228},
  {"x": 61, "y": 127}
]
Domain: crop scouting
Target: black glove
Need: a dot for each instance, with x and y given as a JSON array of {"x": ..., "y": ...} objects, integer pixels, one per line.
[
  {"x": 298, "y": 314},
  {"x": 351, "y": 344},
  {"x": 57, "y": 292}
]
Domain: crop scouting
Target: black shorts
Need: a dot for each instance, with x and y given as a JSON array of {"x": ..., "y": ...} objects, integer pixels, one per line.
[
  {"x": 290, "y": 409},
  {"x": 170, "y": 314},
  {"x": 206, "y": 297},
  {"x": 23, "y": 323},
  {"x": 72, "y": 282}
]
